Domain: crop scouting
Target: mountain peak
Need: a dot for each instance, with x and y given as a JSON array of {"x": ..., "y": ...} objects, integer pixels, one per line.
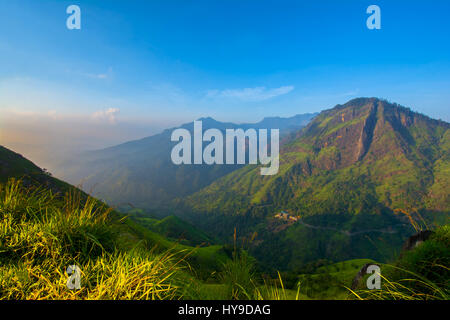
[
  {"x": 358, "y": 102},
  {"x": 206, "y": 119},
  {"x": 363, "y": 101}
]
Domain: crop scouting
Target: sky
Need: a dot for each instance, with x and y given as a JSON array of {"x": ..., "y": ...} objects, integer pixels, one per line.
[{"x": 136, "y": 67}]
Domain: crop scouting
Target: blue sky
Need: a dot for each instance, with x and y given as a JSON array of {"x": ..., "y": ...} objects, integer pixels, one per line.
[
  {"x": 158, "y": 63},
  {"x": 239, "y": 60}
]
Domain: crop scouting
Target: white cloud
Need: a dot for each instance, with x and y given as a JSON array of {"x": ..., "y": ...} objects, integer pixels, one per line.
[
  {"x": 100, "y": 76},
  {"x": 250, "y": 94},
  {"x": 109, "y": 114}
]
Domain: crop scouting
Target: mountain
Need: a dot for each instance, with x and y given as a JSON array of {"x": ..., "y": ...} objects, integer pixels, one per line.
[
  {"x": 14, "y": 165},
  {"x": 352, "y": 180},
  {"x": 141, "y": 173},
  {"x": 43, "y": 232}
]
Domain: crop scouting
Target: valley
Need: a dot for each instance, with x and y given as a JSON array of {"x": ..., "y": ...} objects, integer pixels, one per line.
[{"x": 354, "y": 183}]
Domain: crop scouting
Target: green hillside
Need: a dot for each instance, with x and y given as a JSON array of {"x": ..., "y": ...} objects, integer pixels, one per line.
[
  {"x": 14, "y": 165},
  {"x": 331, "y": 281},
  {"x": 173, "y": 228},
  {"x": 356, "y": 176},
  {"x": 47, "y": 225}
]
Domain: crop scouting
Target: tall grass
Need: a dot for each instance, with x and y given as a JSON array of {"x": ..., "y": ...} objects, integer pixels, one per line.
[
  {"x": 42, "y": 233},
  {"x": 242, "y": 282},
  {"x": 274, "y": 290},
  {"x": 420, "y": 274},
  {"x": 414, "y": 287}
]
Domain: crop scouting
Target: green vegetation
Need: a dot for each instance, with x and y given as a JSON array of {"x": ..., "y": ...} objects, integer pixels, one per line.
[
  {"x": 42, "y": 233},
  {"x": 174, "y": 229},
  {"x": 420, "y": 274},
  {"x": 14, "y": 165},
  {"x": 356, "y": 175},
  {"x": 361, "y": 178},
  {"x": 331, "y": 280}
]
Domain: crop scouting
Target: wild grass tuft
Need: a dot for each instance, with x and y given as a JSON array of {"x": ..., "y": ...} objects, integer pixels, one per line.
[{"x": 41, "y": 234}]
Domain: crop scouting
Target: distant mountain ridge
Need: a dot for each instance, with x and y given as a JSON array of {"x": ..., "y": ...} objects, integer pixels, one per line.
[{"x": 141, "y": 173}]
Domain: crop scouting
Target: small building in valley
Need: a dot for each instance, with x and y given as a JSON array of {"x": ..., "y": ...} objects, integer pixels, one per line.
[{"x": 283, "y": 215}]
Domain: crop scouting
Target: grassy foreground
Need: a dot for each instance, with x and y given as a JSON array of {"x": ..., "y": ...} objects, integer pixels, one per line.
[{"x": 42, "y": 233}]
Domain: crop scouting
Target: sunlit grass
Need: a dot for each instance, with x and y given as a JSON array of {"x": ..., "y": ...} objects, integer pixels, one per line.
[{"x": 42, "y": 233}]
